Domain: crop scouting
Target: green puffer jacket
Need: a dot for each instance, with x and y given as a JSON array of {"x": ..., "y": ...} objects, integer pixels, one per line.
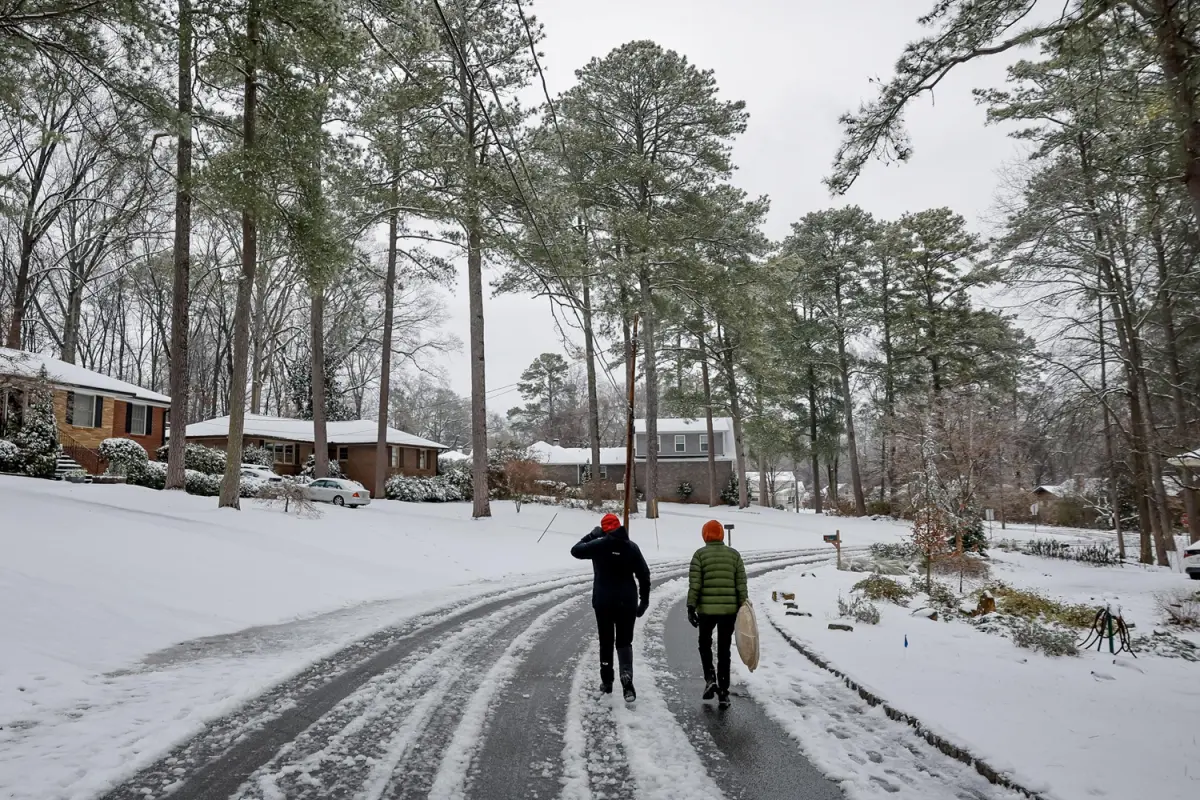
[{"x": 717, "y": 581}]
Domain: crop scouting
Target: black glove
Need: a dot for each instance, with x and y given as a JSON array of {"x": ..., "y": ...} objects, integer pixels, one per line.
[
  {"x": 692, "y": 618},
  {"x": 642, "y": 606}
]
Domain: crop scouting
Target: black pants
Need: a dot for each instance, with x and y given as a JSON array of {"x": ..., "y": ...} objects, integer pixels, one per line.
[
  {"x": 616, "y": 628},
  {"x": 724, "y": 626}
]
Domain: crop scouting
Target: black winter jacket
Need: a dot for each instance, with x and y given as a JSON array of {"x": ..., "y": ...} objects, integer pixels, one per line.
[{"x": 616, "y": 562}]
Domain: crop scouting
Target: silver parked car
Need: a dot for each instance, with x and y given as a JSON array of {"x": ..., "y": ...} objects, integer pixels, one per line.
[{"x": 339, "y": 491}]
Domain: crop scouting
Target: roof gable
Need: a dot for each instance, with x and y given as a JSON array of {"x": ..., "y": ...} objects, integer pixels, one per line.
[{"x": 72, "y": 376}]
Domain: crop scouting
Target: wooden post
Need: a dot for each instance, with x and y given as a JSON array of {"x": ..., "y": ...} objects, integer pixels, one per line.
[
  {"x": 630, "y": 377},
  {"x": 838, "y": 544}
]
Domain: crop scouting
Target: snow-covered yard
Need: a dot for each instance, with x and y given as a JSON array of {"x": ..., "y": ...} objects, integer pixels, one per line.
[
  {"x": 99, "y": 583},
  {"x": 1069, "y": 727}
]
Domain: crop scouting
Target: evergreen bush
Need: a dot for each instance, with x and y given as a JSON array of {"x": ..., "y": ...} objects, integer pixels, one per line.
[
  {"x": 124, "y": 456},
  {"x": 437, "y": 489},
  {"x": 37, "y": 438},
  {"x": 258, "y": 455},
  {"x": 10, "y": 457},
  {"x": 198, "y": 457},
  {"x": 731, "y": 494}
]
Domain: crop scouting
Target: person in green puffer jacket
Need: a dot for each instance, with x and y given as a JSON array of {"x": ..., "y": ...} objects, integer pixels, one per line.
[{"x": 716, "y": 590}]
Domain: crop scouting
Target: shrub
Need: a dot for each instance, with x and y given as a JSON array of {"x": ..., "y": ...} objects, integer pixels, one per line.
[
  {"x": 877, "y": 587},
  {"x": 879, "y": 508},
  {"x": 731, "y": 494},
  {"x": 1052, "y": 642},
  {"x": 1180, "y": 607},
  {"x": 1100, "y": 555},
  {"x": 198, "y": 457},
  {"x": 686, "y": 490},
  {"x": 150, "y": 474},
  {"x": 201, "y": 483},
  {"x": 860, "y": 609},
  {"x": 523, "y": 476},
  {"x": 37, "y": 438},
  {"x": 124, "y": 456},
  {"x": 964, "y": 566},
  {"x": 940, "y": 594},
  {"x": 606, "y": 506},
  {"x": 899, "y": 551},
  {"x": 1032, "y": 606},
  {"x": 458, "y": 474},
  {"x": 290, "y": 496},
  {"x": 310, "y": 468},
  {"x": 437, "y": 489},
  {"x": 10, "y": 456},
  {"x": 258, "y": 455}
]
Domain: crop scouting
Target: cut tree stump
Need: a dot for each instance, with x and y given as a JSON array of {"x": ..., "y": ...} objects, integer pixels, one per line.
[{"x": 837, "y": 626}]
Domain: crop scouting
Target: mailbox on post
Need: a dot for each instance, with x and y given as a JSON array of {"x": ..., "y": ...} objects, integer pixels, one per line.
[
  {"x": 729, "y": 534},
  {"x": 835, "y": 539}
]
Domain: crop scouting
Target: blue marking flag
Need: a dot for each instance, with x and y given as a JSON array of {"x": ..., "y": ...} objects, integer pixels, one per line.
[{"x": 906, "y": 640}]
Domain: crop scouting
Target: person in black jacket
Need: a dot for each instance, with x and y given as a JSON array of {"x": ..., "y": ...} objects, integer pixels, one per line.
[{"x": 616, "y": 599}]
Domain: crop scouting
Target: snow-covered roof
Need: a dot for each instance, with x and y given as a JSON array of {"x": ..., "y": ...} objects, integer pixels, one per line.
[
  {"x": 1191, "y": 459},
  {"x": 455, "y": 455},
  {"x": 554, "y": 455},
  {"x": 72, "y": 376},
  {"x": 358, "y": 431},
  {"x": 666, "y": 426}
]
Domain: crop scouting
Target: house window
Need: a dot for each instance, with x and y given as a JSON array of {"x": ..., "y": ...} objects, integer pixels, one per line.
[
  {"x": 422, "y": 459},
  {"x": 284, "y": 453},
  {"x": 394, "y": 456},
  {"x": 137, "y": 419},
  {"x": 85, "y": 410},
  {"x": 603, "y": 472},
  {"x": 704, "y": 443},
  {"x": 343, "y": 454},
  {"x": 681, "y": 443}
]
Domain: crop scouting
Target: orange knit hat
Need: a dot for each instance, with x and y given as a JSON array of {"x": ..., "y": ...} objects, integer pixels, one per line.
[{"x": 713, "y": 531}]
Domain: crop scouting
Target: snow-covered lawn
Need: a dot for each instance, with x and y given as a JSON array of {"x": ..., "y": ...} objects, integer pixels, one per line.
[
  {"x": 1070, "y": 727},
  {"x": 97, "y": 582}
]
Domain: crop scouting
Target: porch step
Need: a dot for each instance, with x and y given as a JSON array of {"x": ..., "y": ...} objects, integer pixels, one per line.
[{"x": 64, "y": 465}]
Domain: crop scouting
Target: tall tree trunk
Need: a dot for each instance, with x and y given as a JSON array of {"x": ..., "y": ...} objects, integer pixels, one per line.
[
  {"x": 1166, "y": 307},
  {"x": 650, "y": 361},
  {"x": 1114, "y": 491},
  {"x": 714, "y": 496},
  {"x": 182, "y": 257},
  {"x": 231, "y": 483},
  {"x": 74, "y": 311},
  {"x": 259, "y": 342},
  {"x": 735, "y": 411},
  {"x": 479, "y": 439},
  {"x": 763, "y": 500},
  {"x": 1175, "y": 50},
  {"x": 589, "y": 348},
  {"x": 860, "y": 502},
  {"x": 317, "y": 371},
  {"x": 382, "y": 454},
  {"x": 812, "y": 434}
]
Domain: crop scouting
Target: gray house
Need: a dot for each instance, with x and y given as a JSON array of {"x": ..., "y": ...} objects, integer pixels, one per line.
[{"x": 683, "y": 449}]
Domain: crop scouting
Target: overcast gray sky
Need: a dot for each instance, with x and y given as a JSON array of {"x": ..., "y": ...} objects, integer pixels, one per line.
[{"x": 798, "y": 64}]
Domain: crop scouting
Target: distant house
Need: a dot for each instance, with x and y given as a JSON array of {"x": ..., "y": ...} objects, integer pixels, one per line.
[
  {"x": 351, "y": 444},
  {"x": 786, "y": 485},
  {"x": 573, "y": 465},
  {"x": 683, "y": 448},
  {"x": 89, "y": 407}
]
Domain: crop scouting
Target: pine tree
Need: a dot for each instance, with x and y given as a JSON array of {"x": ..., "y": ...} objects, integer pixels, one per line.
[{"x": 37, "y": 438}]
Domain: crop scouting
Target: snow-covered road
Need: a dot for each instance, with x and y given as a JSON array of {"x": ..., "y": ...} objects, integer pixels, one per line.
[{"x": 498, "y": 698}]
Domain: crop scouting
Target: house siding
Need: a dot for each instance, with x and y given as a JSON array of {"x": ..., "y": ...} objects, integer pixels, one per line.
[
  {"x": 692, "y": 442},
  {"x": 569, "y": 473},
  {"x": 84, "y": 436},
  {"x": 154, "y": 440},
  {"x": 673, "y": 473},
  {"x": 359, "y": 464}
]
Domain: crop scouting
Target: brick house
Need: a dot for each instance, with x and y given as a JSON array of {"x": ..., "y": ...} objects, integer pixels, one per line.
[
  {"x": 683, "y": 448},
  {"x": 351, "y": 444},
  {"x": 89, "y": 406},
  {"x": 572, "y": 465}
]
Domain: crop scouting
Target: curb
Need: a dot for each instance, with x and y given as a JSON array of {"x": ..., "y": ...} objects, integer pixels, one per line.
[{"x": 951, "y": 749}]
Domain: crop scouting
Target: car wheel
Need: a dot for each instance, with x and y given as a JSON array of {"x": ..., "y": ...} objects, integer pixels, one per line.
[{"x": 338, "y": 500}]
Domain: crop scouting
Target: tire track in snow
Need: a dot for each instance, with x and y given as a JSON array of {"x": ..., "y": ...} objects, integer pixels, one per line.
[
  {"x": 593, "y": 757},
  {"x": 453, "y": 775},
  {"x": 353, "y": 750}
]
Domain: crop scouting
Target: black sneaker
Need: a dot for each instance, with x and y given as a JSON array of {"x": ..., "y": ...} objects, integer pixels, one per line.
[
  {"x": 627, "y": 687},
  {"x": 710, "y": 690},
  {"x": 723, "y": 698}
]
